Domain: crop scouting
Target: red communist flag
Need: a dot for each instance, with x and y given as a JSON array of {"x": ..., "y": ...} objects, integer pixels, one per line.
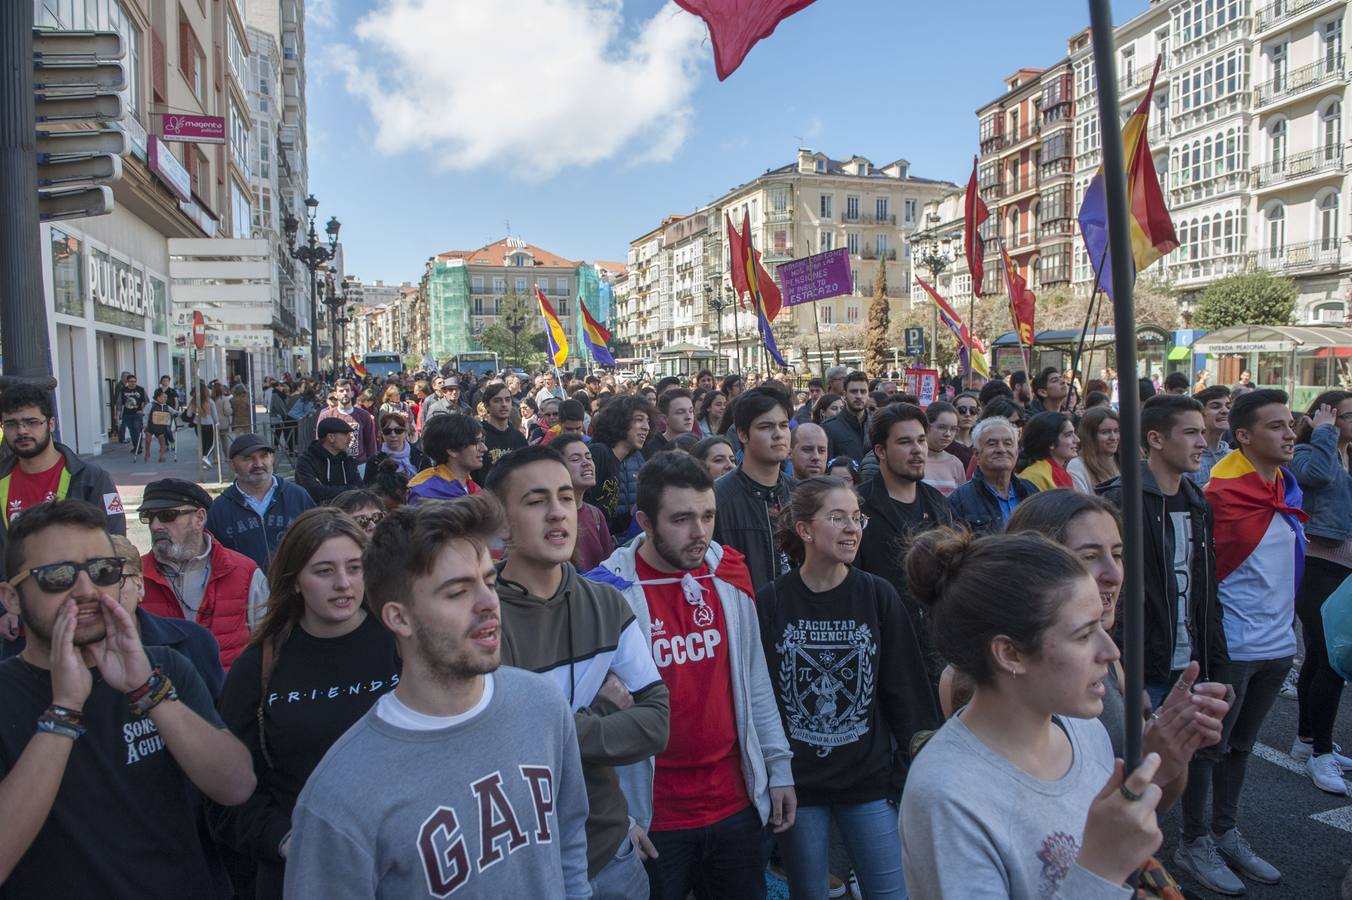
[{"x": 736, "y": 25}]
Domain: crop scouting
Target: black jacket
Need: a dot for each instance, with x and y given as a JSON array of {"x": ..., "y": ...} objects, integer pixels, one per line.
[
  {"x": 975, "y": 506},
  {"x": 847, "y": 436},
  {"x": 1161, "y": 587},
  {"x": 886, "y": 540},
  {"x": 746, "y": 522},
  {"x": 324, "y": 475}
]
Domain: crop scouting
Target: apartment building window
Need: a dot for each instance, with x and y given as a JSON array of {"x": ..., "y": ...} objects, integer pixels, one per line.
[
  {"x": 1056, "y": 203},
  {"x": 1331, "y": 120},
  {"x": 852, "y": 209},
  {"x": 1052, "y": 92},
  {"x": 824, "y": 206},
  {"x": 1013, "y": 175},
  {"x": 820, "y": 166},
  {"x": 561, "y": 285},
  {"x": 1215, "y": 79},
  {"x": 1279, "y": 57},
  {"x": 477, "y": 283},
  {"x": 1277, "y": 143},
  {"x": 880, "y": 209},
  {"x": 779, "y": 199},
  {"x": 987, "y": 128},
  {"x": 854, "y": 279},
  {"x": 192, "y": 62},
  {"x": 1129, "y": 66},
  {"x": 851, "y": 314},
  {"x": 499, "y": 284},
  {"x": 1055, "y": 147},
  {"x": 852, "y": 242},
  {"x": 828, "y": 314},
  {"x": 239, "y": 137},
  {"x": 241, "y": 210},
  {"x": 1087, "y": 133},
  {"x": 988, "y": 176},
  {"x": 239, "y": 60},
  {"x": 1328, "y": 221},
  {"x": 825, "y": 240},
  {"x": 1333, "y": 43},
  {"x": 520, "y": 285},
  {"x": 781, "y": 241},
  {"x": 880, "y": 244},
  {"x": 1275, "y": 220},
  {"x": 1084, "y": 77}
]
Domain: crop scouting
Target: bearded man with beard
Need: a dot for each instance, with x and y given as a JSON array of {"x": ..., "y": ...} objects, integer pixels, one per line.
[
  {"x": 41, "y": 468},
  {"x": 725, "y": 775},
  {"x": 190, "y": 575},
  {"x": 79, "y": 808}
]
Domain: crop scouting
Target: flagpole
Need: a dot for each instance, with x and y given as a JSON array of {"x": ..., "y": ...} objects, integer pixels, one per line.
[
  {"x": 1093, "y": 296},
  {"x": 1124, "y": 313},
  {"x": 1026, "y": 350}
]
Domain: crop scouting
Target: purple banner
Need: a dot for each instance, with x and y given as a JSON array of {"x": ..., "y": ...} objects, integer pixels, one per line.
[{"x": 816, "y": 277}]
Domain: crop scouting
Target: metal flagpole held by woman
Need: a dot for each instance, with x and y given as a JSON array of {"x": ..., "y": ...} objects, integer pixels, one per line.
[
  {"x": 1088, "y": 314},
  {"x": 1123, "y": 276}
]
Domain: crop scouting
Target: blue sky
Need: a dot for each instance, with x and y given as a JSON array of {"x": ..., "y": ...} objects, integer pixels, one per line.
[{"x": 434, "y": 123}]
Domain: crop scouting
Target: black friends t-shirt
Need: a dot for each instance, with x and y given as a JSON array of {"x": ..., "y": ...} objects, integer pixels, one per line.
[{"x": 125, "y": 819}]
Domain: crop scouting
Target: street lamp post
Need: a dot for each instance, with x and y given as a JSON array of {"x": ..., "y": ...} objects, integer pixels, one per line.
[
  {"x": 936, "y": 262},
  {"x": 312, "y": 254},
  {"x": 336, "y": 303},
  {"x": 515, "y": 320},
  {"x": 715, "y": 302}
]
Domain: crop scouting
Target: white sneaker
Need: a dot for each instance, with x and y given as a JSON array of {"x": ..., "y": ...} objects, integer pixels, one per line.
[
  {"x": 1301, "y": 751},
  {"x": 1326, "y": 774},
  {"x": 1202, "y": 861},
  {"x": 1288, "y": 690},
  {"x": 1240, "y": 856}
]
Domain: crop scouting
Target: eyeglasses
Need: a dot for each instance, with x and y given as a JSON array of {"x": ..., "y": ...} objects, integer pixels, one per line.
[
  {"x": 391, "y": 431},
  {"x": 838, "y": 521},
  {"x": 367, "y": 520},
  {"x": 104, "y": 571},
  {"x": 165, "y": 515},
  {"x": 26, "y": 424}
]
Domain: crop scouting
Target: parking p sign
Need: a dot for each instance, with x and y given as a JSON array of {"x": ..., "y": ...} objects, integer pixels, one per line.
[{"x": 915, "y": 342}]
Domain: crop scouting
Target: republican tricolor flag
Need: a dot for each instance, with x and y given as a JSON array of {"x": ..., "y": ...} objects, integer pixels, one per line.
[
  {"x": 558, "y": 341},
  {"x": 1152, "y": 231},
  {"x": 967, "y": 342},
  {"x": 1244, "y": 505},
  {"x": 357, "y": 368},
  {"x": 595, "y": 336}
]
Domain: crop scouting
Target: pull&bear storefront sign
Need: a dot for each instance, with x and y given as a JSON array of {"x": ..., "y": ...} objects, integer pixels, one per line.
[{"x": 117, "y": 285}]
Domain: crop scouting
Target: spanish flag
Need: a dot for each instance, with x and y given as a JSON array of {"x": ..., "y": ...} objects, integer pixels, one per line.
[
  {"x": 558, "y": 341},
  {"x": 1244, "y": 505},
  {"x": 1152, "y": 231},
  {"x": 595, "y": 336}
]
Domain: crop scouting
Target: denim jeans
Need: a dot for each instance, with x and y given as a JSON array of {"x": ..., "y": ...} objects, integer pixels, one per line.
[
  {"x": 132, "y": 423},
  {"x": 623, "y": 878},
  {"x": 872, "y": 840},
  {"x": 1219, "y": 770},
  {"x": 722, "y": 861}
]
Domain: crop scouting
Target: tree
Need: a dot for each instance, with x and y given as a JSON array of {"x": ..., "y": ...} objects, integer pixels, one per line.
[
  {"x": 1256, "y": 298},
  {"x": 875, "y": 339},
  {"x": 512, "y": 335}
]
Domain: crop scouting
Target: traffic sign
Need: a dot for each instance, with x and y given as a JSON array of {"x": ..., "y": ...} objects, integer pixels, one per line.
[{"x": 199, "y": 330}]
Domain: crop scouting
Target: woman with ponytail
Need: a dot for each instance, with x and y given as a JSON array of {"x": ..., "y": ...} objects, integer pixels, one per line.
[
  {"x": 850, "y": 682},
  {"x": 1018, "y": 794}
]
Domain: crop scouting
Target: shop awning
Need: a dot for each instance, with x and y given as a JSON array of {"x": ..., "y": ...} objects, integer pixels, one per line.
[{"x": 1308, "y": 339}]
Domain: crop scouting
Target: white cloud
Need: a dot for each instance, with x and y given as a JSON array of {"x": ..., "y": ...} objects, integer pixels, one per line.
[{"x": 531, "y": 86}]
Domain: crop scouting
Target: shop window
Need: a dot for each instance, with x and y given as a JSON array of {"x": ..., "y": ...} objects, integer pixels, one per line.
[{"x": 66, "y": 271}]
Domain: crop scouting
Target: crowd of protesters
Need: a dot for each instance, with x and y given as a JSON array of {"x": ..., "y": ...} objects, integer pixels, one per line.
[{"x": 555, "y": 636}]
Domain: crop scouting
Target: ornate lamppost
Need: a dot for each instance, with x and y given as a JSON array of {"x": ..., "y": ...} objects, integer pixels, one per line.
[{"x": 313, "y": 255}]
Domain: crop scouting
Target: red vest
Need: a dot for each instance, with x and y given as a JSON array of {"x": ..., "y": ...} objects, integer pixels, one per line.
[{"x": 225, "y": 602}]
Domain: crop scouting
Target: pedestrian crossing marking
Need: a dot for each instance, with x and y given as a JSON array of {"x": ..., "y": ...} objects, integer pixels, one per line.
[{"x": 1339, "y": 817}]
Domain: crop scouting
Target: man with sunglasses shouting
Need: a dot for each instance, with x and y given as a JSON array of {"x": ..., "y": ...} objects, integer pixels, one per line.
[
  {"x": 190, "y": 575},
  {"x": 100, "y": 737}
]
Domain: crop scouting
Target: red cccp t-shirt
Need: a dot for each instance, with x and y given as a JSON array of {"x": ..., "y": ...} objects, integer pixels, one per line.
[{"x": 699, "y": 776}]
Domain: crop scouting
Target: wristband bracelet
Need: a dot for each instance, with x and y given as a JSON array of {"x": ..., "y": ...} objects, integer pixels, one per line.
[
  {"x": 155, "y": 691},
  {"x": 48, "y": 725},
  {"x": 65, "y": 715}
]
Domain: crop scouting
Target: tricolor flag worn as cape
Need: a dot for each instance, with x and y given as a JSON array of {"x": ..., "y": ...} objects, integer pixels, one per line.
[
  {"x": 1244, "y": 504},
  {"x": 558, "y": 341},
  {"x": 595, "y": 336},
  {"x": 1152, "y": 231}
]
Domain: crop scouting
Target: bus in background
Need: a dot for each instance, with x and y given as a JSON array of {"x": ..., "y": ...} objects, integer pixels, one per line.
[
  {"x": 477, "y": 362},
  {"x": 382, "y": 365}
]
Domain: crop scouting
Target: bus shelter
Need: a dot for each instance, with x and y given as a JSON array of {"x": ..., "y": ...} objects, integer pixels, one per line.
[
  {"x": 685, "y": 359},
  {"x": 1302, "y": 360},
  {"x": 1057, "y": 348}
]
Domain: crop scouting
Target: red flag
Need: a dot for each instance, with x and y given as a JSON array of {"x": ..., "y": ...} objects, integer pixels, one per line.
[
  {"x": 975, "y": 213},
  {"x": 737, "y": 261},
  {"x": 1022, "y": 301},
  {"x": 736, "y": 25},
  {"x": 769, "y": 288}
]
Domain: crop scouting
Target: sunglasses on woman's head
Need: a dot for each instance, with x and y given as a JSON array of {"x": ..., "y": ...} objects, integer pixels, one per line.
[{"x": 104, "y": 571}]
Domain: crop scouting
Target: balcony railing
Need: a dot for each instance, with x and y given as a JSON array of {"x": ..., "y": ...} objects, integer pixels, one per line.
[
  {"x": 1298, "y": 81},
  {"x": 1294, "y": 257},
  {"x": 872, "y": 253},
  {"x": 991, "y": 143},
  {"x": 993, "y": 191},
  {"x": 848, "y": 216},
  {"x": 869, "y": 219},
  {"x": 1052, "y": 228},
  {"x": 1312, "y": 162},
  {"x": 1280, "y": 11}
]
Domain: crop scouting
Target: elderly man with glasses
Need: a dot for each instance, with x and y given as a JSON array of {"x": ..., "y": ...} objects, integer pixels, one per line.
[{"x": 190, "y": 575}]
